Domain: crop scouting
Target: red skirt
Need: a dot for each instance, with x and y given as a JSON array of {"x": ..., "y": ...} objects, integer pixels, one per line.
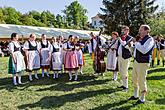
[{"x": 71, "y": 61}]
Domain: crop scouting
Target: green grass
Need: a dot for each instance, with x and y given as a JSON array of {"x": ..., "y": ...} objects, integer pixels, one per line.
[{"x": 89, "y": 93}]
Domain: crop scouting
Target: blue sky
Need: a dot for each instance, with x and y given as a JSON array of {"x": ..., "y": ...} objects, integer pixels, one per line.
[{"x": 55, "y": 6}]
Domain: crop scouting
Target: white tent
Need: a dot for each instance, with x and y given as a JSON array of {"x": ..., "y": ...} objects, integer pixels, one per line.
[{"x": 7, "y": 29}]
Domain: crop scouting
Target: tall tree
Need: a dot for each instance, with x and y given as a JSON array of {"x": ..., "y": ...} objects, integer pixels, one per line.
[
  {"x": 75, "y": 15},
  {"x": 36, "y": 15},
  {"x": 126, "y": 12},
  {"x": 48, "y": 18},
  {"x": 157, "y": 23},
  {"x": 11, "y": 16},
  {"x": 59, "y": 21},
  {"x": 1, "y": 16}
]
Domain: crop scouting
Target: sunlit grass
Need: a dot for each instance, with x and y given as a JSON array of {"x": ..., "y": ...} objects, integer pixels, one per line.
[{"x": 90, "y": 92}]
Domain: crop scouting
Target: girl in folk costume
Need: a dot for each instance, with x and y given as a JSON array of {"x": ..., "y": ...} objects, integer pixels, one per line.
[
  {"x": 56, "y": 57},
  {"x": 61, "y": 44},
  {"x": 31, "y": 49},
  {"x": 112, "y": 56},
  {"x": 45, "y": 53},
  {"x": 70, "y": 60},
  {"x": 16, "y": 60},
  {"x": 80, "y": 55}
]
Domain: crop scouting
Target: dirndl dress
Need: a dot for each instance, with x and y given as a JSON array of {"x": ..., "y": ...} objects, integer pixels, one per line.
[
  {"x": 112, "y": 57},
  {"x": 33, "y": 62},
  {"x": 20, "y": 64},
  {"x": 71, "y": 59},
  {"x": 57, "y": 59},
  {"x": 45, "y": 49}
]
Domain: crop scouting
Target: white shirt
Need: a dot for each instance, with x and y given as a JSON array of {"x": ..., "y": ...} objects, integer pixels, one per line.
[
  {"x": 45, "y": 43},
  {"x": 56, "y": 45},
  {"x": 90, "y": 45},
  {"x": 11, "y": 45},
  {"x": 123, "y": 43},
  {"x": 146, "y": 47},
  {"x": 33, "y": 43}
]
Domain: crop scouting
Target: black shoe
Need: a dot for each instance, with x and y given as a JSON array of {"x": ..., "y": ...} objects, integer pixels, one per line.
[
  {"x": 133, "y": 98},
  {"x": 122, "y": 87},
  {"x": 158, "y": 62},
  {"x": 139, "y": 102}
]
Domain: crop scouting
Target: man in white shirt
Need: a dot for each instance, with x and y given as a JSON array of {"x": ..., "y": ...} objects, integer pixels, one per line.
[
  {"x": 92, "y": 45},
  {"x": 124, "y": 54},
  {"x": 142, "y": 55}
]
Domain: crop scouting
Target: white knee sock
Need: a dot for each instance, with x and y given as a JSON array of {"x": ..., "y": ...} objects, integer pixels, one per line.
[
  {"x": 76, "y": 75},
  {"x": 42, "y": 72},
  {"x": 14, "y": 80},
  {"x": 57, "y": 74},
  {"x": 115, "y": 75},
  {"x": 30, "y": 76},
  {"x": 19, "y": 79},
  {"x": 70, "y": 75},
  {"x": 81, "y": 68},
  {"x": 35, "y": 74},
  {"x": 54, "y": 75},
  {"x": 47, "y": 73}
]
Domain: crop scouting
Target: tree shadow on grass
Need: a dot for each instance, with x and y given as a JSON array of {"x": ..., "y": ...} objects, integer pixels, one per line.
[
  {"x": 6, "y": 83},
  {"x": 69, "y": 87},
  {"x": 58, "y": 101},
  {"x": 156, "y": 70},
  {"x": 115, "y": 104},
  {"x": 156, "y": 77},
  {"x": 160, "y": 101}
]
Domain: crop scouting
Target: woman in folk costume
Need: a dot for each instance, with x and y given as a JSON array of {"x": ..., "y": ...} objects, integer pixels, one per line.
[
  {"x": 70, "y": 60},
  {"x": 31, "y": 49},
  {"x": 16, "y": 60},
  {"x": 80, "y": 55},
  {"x": 56, "y": 57},
  {"x": 61, "y": 44},
  {"x": 112, "y": 56},
  {"x": 45, "y": 54}
]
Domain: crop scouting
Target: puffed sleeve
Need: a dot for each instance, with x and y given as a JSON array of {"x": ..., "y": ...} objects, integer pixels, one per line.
[
  {"x": 11, "y": 47},
  {"x": 49, "y": 46},
  {"x": 26, "y": 45},
  {"x": 65, "y": 46},
  {"x": 38, "y": 45}
]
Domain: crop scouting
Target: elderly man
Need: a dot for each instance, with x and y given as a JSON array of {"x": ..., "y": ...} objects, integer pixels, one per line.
[{"x": 142, "y": 55}]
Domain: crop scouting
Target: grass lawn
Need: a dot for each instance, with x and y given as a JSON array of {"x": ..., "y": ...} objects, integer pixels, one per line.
[{"x": 89, "y": 93}]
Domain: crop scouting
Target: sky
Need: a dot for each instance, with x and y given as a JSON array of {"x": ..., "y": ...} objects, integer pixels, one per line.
[{"x": 56, "y": 6}]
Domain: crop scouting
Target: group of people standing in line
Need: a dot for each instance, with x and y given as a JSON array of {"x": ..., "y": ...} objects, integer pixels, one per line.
[
  {"x": 52, "y": 56},
  {"x": 45, "y": 55}
]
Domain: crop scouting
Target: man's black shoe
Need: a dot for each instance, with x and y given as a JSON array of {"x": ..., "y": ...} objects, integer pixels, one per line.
[
  {"x": 139, "y": 102},
  {"x": 133, "y": 98},
  {"x": 122, "y": 87}
]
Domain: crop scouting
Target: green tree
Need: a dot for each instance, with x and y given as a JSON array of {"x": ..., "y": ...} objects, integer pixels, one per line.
[
  {"x": 126, "y": 12},
  {"x": 48, "y": 18},
  {"x": 59, "y": 21},
  {"x": 1, "y": 16},
  {"x": 75, "y": 15},
  {"x": 36, "y": 15},
  {"x": 11, "y": 16},
  {"x": 157, "y": 23}
]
